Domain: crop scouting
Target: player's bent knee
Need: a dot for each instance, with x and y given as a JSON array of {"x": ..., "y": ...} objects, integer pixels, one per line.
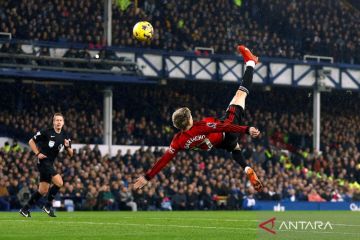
[
  {"x": 241, "y": 93},
  {"x": 239, "y": 99}
]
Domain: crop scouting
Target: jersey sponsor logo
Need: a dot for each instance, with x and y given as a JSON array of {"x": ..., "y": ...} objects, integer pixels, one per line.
[
  {"x": 52, "y": 136},
  {"x": 212, "y": 125},
  {"x": 51, "y": 144},
  {"x": 171, "y": 150},
  {"x": 193, "y": 139}
]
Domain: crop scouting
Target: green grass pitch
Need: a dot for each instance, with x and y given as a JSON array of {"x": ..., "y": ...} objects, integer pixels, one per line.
[{"x": 167, "y": 225}]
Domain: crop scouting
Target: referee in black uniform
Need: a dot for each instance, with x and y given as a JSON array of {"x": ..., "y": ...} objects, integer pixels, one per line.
[{"x": 46, "y": 145}]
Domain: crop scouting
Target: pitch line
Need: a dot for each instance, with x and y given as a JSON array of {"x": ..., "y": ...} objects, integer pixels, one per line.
[
  {"x": 185, "y": 218},
  {"x": 133, "y": 224},
  {"x": 202, "y": 219},
  {"x": 171, "y": 225},
  {"x": 358, "y": 234}
]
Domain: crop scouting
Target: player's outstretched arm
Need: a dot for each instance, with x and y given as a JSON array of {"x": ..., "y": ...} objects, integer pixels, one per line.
[
  {"x": 228, "y": 127},
  {"x": 160, "y": 164},
  {"x": 140, "y": 182},
  {"x": 254, "y": 132}
]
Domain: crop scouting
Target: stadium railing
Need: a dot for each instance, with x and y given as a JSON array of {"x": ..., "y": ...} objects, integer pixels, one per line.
[{"x": 157, "y": 64}]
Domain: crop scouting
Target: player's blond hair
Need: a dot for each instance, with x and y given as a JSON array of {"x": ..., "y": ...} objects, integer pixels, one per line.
[
  {"x": 58, "y": 114},
  {"x": 181, "y": 118}
]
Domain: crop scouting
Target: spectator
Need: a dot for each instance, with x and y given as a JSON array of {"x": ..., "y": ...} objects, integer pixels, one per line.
[
  {"x": 16, "y": 147},
  {"x": 165, "y": 201},
  {"x": 105, "y": 198},
  {"x": 206, "y": 199},
  {"x": 127, "y": 199},
  {"x": 151, "y": 200},
  {"x": 179, "y": 200},
  {"x": 91, "y": 199},
  {"x": 4, "y": 196},
  {"x": 6, "y": 148},
  {"x": 192, "y": 199},
  {"x": 249, "y": 202},
  {"x": 292, "y": 195},
  {"x": 315, "y": 197}
]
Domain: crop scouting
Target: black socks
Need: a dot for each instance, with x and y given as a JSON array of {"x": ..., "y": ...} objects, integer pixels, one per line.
[
  {"x": 52, "y": 193},
  {"x": 34, "y": 198},
  {"x": 247, "y": 79},
  {"x": 238, "y": 157}
]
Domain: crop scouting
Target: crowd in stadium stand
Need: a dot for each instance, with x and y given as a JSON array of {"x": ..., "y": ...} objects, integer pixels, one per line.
[
  {"x": 283, "y": 152},
  {"x": 274, "y": 28},
  {"x": 192, "y": 180},
  {"x": 284, "y": 116}
]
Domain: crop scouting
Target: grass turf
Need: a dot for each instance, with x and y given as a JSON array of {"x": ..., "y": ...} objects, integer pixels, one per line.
[{"x": 165, "y": 225}]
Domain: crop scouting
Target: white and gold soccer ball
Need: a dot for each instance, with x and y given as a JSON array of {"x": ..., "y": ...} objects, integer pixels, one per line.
[{"x": 143, "y": 31}]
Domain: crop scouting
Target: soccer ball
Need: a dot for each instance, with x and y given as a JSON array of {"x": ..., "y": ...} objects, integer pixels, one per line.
[{"x": 143, "y": 31}]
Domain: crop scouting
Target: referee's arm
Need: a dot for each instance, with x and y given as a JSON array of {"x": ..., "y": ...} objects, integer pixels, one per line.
[
  {"x": 33, "y": 147},
  {"x": 67, "y": 144}
]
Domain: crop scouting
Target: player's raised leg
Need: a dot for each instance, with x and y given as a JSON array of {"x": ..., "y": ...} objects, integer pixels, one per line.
[
  {"x": 246, "y": 82},
  {"x": 239, "y": 158},
  {"x": 239, "y": 100}
]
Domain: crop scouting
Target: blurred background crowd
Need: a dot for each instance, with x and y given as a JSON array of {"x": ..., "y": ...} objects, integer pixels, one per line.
[
  {"x": 284, "y": 115},
  {"x": 287, "y": 29},
  {"x": 282, "y": 156},
  {"x": 193, "y": 180}
]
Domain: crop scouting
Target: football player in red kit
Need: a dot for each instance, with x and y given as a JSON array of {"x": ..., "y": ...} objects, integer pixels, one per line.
[{"x": 213, "y": 133}]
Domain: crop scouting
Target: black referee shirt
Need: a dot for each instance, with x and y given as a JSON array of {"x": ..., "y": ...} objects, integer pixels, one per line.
[{"x": 50, "y": 143}]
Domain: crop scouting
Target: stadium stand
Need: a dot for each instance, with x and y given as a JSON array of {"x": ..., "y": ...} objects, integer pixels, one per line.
[
  {"x": 257, "y": 24},
  {"x": 283, "y": 116},
  {"x": 193, "y": 180},
  {"x": 282, "y": 157}
]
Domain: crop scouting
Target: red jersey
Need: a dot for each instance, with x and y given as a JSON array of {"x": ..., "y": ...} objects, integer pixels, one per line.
[{"x": 203, "y": 135}]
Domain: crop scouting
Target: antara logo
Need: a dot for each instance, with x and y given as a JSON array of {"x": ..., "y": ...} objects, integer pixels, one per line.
[
  {"x": 270, "y": 230},
  {"x": 193, "y": 139},
  {"x": 305, "y": 225},
  {"x": 269, "y": 225}
]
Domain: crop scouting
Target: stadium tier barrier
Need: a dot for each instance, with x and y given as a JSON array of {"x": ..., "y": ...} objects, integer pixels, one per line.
[
  {"x": 188, "y": 66},
  {"x": 104, "y": 149}
]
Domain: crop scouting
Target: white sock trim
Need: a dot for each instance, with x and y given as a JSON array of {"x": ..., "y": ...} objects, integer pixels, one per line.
[
  {"x": 246, "y": 169},
  {"x": 250, "y": 63}
]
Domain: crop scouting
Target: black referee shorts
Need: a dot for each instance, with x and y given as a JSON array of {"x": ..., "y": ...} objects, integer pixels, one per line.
[
  {"x": 47, "y": 171},
  {"x": 234, "y": 114}
]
